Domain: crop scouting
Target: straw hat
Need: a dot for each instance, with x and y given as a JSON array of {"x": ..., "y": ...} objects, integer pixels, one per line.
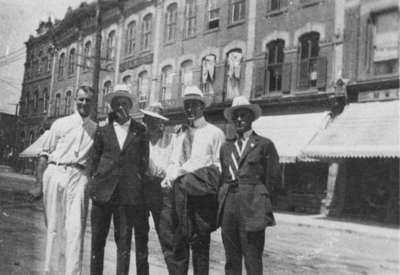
[
  {"x": 241, "y": 102},
  {"x": 120, "y": 90},
  {"x": 155, "y": 110},
  {"x": 193, "y": 93}
]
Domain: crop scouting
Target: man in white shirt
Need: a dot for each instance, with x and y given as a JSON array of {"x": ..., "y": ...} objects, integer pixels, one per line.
[
  {"x": 120, "y": 161},
  {"x": 196, "y": 146},
  {"x": 65, "y": 153}
]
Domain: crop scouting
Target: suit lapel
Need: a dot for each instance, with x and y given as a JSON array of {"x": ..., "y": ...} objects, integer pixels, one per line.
[
  {"x": 113, "y": 136},
  {"x": 131, "y": 134},
  {"x": 251, "y": 143}
]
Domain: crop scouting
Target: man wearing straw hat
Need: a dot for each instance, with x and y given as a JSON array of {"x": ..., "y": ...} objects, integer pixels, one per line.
[
  {"x": 120, "y": 160},
  {"x": 159, "y": 200},
  {"x": 250, "y": 174}
]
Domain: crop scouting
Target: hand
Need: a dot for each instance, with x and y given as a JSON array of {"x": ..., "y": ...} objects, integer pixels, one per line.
[
  {"x": 166, "y": 183},
  {"x": 35, "y": 194}
]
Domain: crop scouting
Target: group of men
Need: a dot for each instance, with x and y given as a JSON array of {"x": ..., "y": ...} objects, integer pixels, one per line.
[{"x": 192, "y": 181}]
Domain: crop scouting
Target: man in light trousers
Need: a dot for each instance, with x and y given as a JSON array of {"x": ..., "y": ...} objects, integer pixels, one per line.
[{"x": 64, "y": 186}]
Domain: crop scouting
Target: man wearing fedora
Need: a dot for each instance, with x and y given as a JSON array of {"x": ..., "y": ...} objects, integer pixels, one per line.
[
  {"x": 194, "y": 168},
  {"x": 250, "y": 175},
  {"x": 120, "y": 160},
  {"x": 159, "y": 200}
]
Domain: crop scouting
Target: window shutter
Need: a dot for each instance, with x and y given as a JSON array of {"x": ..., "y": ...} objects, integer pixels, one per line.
[
  {"x": 260, "y": 78},
  {"x": 286, "y": 77},
  {"x": 322, "y": 72},
  {"x": 219, "y": 80}
]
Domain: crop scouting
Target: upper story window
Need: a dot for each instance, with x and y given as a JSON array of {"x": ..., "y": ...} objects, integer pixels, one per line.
[
  {"x": 71, "y": 62},
  {"x": 170, "y": 22},
  {"x": 87, "y": 52},
  {"x": 35, "y": 67},
  {"x": 275, "y": 64},
  {"x": 68, "y": 102},
  {"x": 383, "y": 33},
  {"x": 107, "y": 88},
  {"x": 57, "y": 105},
  {"x": 127, "y": 80},
  {"x": 237, "y": 10},
  {"x": 146, "y": 32},
  {"x": 234, "y": 60},
  {"x": 166, "y": 83},
  {"x": 45, "y": 97},
  {"x": 61, "y": 62},
  {"x": 309, "y": 52},
  {"x": 40, "y": 63},
  {"x": 110, "y": 49},
  {"x": 130, "y": 43},
  {"x": 35, "y": 102},
  {"x": 31, "y": 137},
  {"x": 213, "y": 14},
  {"x": 143, "y": 88},
  {"x": 49, "y": 59},
  {"x": 277, "y": 4},
  {"x": 45, "y": 64},
  {"x": 186, "y": 74},
  {"x": 190, "y": 18}
]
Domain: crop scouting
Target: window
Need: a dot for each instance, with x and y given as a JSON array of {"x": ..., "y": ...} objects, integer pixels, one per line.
[
  {"x": 61, "y": 61},
  {"x": 31, "y": 137},
  {"x": 110, "y": 48},
  {"x": 45, "y": 64},
  {"x": 40, "y": 63},
  {"x": 234, "y": 64},
  {"x": 45, "y": 100},
  {"x": 277, "y": 4},
  {"x": 35, "y": 101},
  {"x": 186, "y": 74},
  {"x": 309, "y": 51},
  {"x": 237, "y": 10},
  {"x": 107, "y": 88},
  {"x": 27, "y": 102},
  {"x": 208, "y": 73},
  {"x": 213, "y": 14},
  {"x": 71, "y": 62},
  {"x": 146, "y": 32},
  {"x": 170, "y": 22},
  {"x": 35, "y": 68},
  {"x": 127, "y": 80},
  {"x": 57, "y": 105},
  {"x": 383, "y": 29},
  {"x": 143, "y": 88},
  {"x": 49, "y": 59},
  {"x": 130, "y": 38},
  {"x": 87, "y": 51},
  {"x": 166, "y": 83},
  {"x": 68, "y": 102},
  {"x": 190, "y": 18},
  {"x": 275, "y": 64}
]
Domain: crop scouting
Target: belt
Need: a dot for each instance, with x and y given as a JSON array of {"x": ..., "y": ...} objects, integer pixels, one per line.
[{"x": 69, "y": 164}]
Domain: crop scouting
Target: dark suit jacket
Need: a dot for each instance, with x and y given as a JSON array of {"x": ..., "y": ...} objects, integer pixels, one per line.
[
  {"x": 113, "y": 168},
  {"x": 256, "y": 179}
]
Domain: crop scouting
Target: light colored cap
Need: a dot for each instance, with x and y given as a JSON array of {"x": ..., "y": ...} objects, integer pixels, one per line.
[
  {"x": 120, "y": 90},
  {"x": 155, "y": 110},
  {"x": 194, "y": 93},
  {"x": 241, "y": 102}
]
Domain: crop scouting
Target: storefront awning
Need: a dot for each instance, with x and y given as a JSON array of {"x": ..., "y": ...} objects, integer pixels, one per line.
[
  {"x": 35, "y": 148},
  {"x": 362, "y": 130},
  {"x": 291, "y": 133}
]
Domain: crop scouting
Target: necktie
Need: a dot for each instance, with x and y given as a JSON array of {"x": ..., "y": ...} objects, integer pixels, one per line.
[
  {"x": 187, "y": 145},
  {"x": 240, "y": 142}
]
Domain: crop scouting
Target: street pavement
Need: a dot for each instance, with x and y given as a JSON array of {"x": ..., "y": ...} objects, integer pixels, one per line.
[{"x": 299, "y": 244}]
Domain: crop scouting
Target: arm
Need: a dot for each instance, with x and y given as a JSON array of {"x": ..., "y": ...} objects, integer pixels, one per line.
[
  {"x": 144, "y": 155},
  {"x": 37, "y": 192},
  {"x": 217, "y": 144},
  {"x": 96, "y": 151},
  {"x": 273, "y": 173}
]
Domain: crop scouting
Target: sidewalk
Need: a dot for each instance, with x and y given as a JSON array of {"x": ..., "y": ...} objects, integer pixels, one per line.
[{"x": 20, "y": 184}]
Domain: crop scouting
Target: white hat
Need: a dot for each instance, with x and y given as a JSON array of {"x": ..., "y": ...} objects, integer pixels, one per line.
[
  {"x": 194, "y": 93},
  {"x": 155, "y": 110},
  {"x": 120, "y": 90},
  {"x": 241, "y": 102}
]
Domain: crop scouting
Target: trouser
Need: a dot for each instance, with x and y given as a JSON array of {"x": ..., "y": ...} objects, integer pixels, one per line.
[
  {"x": 124, "y": 218},
  {"x": 239, "y": 243},
  {"x": 65, "y": 202},
  {"x": 159, "y": 202}
]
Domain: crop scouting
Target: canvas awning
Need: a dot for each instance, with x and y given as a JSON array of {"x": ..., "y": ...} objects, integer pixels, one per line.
[
  {"x": 362, "y": 130},
  {"x": 35, "y": 148},
  {"x": 290, "y": 133}
]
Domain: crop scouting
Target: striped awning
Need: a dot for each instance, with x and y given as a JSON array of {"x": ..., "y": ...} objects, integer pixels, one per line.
[
  {"x": 291, "y": 133},
  {"x": 362, "y": 130}
]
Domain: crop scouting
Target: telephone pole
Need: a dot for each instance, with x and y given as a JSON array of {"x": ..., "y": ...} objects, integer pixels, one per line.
[{"x": 97, "y": 57}]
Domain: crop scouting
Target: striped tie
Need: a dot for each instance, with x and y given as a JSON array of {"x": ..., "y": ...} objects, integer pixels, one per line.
[{"x": 236, "y": 154}]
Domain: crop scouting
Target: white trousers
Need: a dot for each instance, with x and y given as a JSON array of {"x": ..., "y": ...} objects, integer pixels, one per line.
[{"x": 65, "y": 202}]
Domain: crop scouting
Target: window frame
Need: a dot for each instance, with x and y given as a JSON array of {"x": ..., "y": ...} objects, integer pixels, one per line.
[
  {"x": 130, "y": 43},
  {"x": 146, "y": 32},
  {"x": 71, "y": 61},
  {"x": 275, "y": 62},
  {"x": 171, "y": 21},
  {"x": 190, "y": 19},
  {"x": 234, "y": 5}
]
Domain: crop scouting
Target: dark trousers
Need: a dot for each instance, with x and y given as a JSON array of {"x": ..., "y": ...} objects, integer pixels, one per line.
[
  {"x": 239, "y": 243},
  {"x": 124, "y": 218},
  {"x": 159, "y": 203}
]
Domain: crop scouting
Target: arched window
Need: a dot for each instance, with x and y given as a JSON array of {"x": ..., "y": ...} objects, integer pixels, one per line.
[
  {"x": 68, "y": 102},
  {"x": 146, "y": 32},
  {"x": 61, "y": 62},
  {"x": 234, "y": 59},
  {"x": 45, "y": 98},
  {"x": 49, "y": 59},
  {"x": 110, "y": 50},
  {"x": 57, "y": 105},
  {"x": 143, "y": 88},
  {"x": 127, "y": 80},
  {"x": 40, "y": 63},
  {"x": 35, "y": 101},
  {"x": 190, "y": 18},
  {"x": 71, "y": 62},
  {"x": 87, "y": 51},
  {"x": 31, "y": 137},
  {"x": 22, "y": 139},
  {"x": 308, "y": 51},
  {"x": 166, "y": 83},
  {"x": 170, "y": 22},
  {"x": 275, "y": 64},
  {"x": 130, "y": 38},
  {"x": 27, "y": 103},
  {"x": 186, "y": 74}
]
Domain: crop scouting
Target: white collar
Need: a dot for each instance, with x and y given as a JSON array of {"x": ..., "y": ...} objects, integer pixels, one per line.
[
  {"x": 247, "y": 134},
  {"x": 125, "y": 125},
  {"x": 79, "y": 119},
  {"x": 200, "y": 122}
]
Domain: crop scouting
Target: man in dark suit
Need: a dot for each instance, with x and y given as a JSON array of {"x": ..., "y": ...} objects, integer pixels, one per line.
[
  {"x": 250, "y": 173},
  {"x": 120, "y": 160}
]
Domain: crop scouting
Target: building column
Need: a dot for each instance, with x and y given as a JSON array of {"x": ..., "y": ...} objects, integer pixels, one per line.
[
  {"x": 251, "y": 36},
  {"x": 119, "y": 47},
  {"x": 338, "y": 39},
  {"x": 156, "y": 49},
  {"x": 79, "y": 53},
  {"x": 52, "y": 79},
  {"x": 333, "y": 204}
]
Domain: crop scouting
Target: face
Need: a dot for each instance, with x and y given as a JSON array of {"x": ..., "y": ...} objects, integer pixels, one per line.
[
  {"x": 83, "y": 102},
  {"x": 154, "y": 125},
  {"x": 242, "y": 119},
  {"x": 194, "y": 109},
  {"x": 121, "y": 106}
]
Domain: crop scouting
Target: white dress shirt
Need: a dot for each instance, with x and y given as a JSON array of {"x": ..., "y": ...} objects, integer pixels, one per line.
[
  {"x": 121, "y": 130},
  {"x": 160, "y": 154}
]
